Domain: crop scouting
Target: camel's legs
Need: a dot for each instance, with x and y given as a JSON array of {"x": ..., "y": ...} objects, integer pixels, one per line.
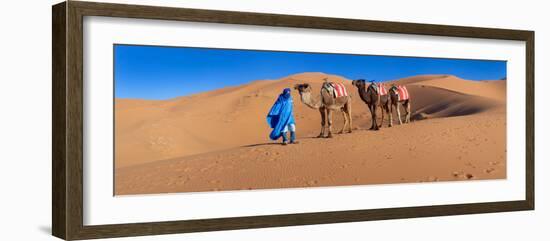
[
  {"x": 373, "y": 114},
  {"x": 329, "y": 120},
  {"x": 382, "y": 112},
  {"x": 376, "y": 127},
  {"x": 398, "y": 113},
  {"x": 348, "y": 112},
  {"x": 323, "y": 121},
  {"x": 345, "y": 121},
  {"x": 408, "y": 109},
  {"x": 388, "y": 106},
  {"x": 371, "y": 117},
  {"x": 391, "y": 115}
]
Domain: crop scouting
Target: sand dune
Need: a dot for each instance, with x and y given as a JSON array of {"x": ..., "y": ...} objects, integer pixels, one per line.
[
  {"x": 490, "y": 89},
  {"x": 191, "y": 131},
  {"x": 446, "y": 149},
  {"x": 216, "y": 120}
]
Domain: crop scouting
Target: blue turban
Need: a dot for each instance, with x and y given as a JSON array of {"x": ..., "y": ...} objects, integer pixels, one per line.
[{"x": 280, "y": 114}]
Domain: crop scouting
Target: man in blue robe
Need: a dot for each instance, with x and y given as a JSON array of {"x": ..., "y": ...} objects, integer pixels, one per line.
[{"x": 281, "y": 118}]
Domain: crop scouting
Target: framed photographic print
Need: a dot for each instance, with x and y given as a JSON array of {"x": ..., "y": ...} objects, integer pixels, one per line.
[{"x": 171, "y": 120}]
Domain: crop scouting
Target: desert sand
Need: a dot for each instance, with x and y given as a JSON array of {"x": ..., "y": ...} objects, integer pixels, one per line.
[{"x": 218, "y": 140}]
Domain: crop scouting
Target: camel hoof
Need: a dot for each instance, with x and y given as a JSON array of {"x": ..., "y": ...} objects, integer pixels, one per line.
[
  {"x": 329, "y": 136},
  {"x": 340, "y": 132},
  {"x": 320, "y": 136}
]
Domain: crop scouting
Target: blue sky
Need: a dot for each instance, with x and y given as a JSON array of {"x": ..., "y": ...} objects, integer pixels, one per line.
[{"x": 154, "y": 72}]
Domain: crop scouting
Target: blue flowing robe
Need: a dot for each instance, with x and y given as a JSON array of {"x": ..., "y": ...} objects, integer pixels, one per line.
[{"x": 281, "y": 114}]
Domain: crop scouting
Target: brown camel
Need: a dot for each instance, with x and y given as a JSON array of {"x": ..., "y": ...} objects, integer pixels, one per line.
[
  {"x": 395, "y": 102},
  {"x": 371, "y": 97},
  {"x": 326, "y": 104}
]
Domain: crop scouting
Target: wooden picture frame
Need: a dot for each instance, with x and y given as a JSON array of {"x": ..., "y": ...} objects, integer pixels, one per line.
[{"x": 67, "y": 152}]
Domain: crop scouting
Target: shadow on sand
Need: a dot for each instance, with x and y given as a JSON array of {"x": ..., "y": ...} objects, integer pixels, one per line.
[
  {"x": 264, "y": 144},
  {"x": 279, "y": 143}
]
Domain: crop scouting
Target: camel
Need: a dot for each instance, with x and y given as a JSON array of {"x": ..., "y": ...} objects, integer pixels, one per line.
[
  {"x": 371, "y": 97},
  {"x": 326, "y": 104},
  {"x": 395, "y": 104}
]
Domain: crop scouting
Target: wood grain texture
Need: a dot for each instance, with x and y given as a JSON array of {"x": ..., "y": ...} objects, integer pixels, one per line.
[
  {"x": 67, "y": 78},
  {"x": 58, "y": 121},
  {"x": 279, "y": 20},
  {"x": 530, "y": 120},
  {"x": 75, "y": 120},
  {"x": 155, "y": 228}
]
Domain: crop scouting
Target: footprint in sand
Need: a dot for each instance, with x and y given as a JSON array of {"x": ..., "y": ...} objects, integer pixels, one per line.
[
  {"x": 489, "y": 170},
  {"x": 461, "y": 174},
  {"x": 433, "y": 179},
  {"x": 311, "y": 183},
  {"x": 182, "y": 181},
  {"x": 470, "y": 164}
]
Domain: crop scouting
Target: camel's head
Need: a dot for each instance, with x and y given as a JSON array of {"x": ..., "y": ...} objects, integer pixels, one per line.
[
  {"x": 303, "y": 88},
  {"x": 360, "y": 83}
]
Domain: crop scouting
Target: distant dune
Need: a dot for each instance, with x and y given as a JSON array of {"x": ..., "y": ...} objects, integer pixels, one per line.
[{"x": 458, "y": 132}]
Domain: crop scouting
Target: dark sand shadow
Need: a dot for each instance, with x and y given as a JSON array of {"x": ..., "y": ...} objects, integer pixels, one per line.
[
  {"x": 279, "y": 143},
  {"x": 304, "y": 138},
  {"x": 263, "y": 144}
]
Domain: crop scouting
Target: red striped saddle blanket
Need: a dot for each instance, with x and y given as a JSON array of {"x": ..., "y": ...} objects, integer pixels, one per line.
[
  {"x": 338, "y": 89},
  {"x": 379, "y": 88},
  {"x": 402, "y": 92}
]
